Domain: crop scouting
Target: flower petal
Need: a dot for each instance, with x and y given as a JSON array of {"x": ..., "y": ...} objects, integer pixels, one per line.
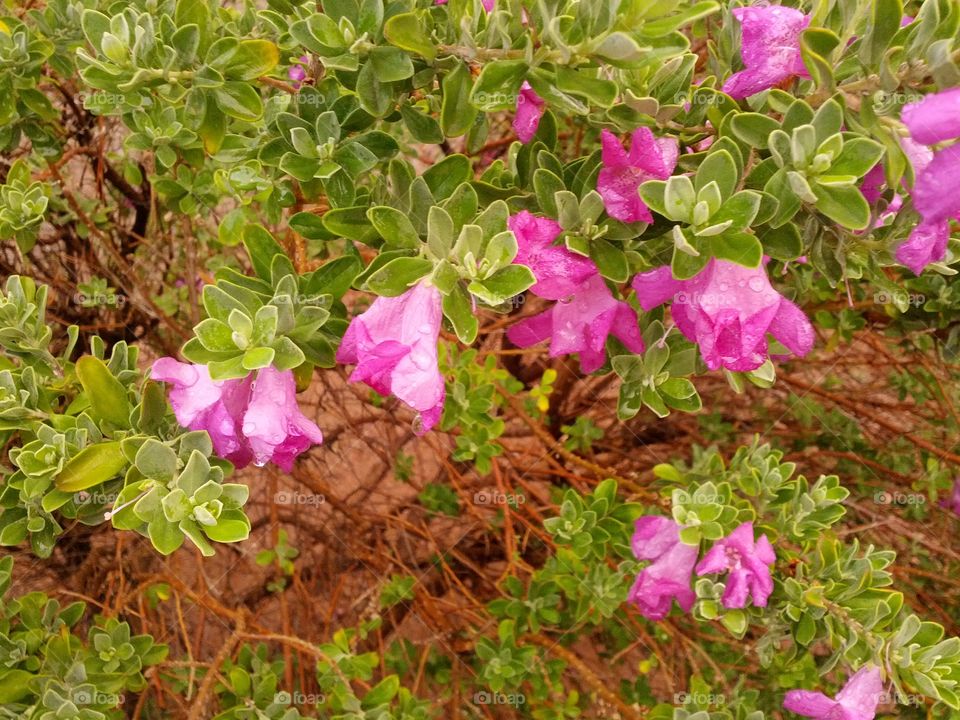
[{"x": 935, "y": 118}]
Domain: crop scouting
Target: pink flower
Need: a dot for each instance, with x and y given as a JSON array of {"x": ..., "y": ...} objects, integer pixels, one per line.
[
  {"x": 857, "y": 700},
  {"x": 667, "y": 578},
  {"x": 273, "y": 425},
  {"x": 297, "y": 73},
  {"x": 728, "y": 309},
  {"x": 559, "y": 271},
  {"x": 255, "y": 418},
  {"x": 953, "y": 502},
  {"x": 394, "y": 346},
  {"x": 935, "y": 118},
  {"x": 582, "y": 324},
  {"x": 770, "y": 49},
  {"x": 929, "y": 121},
  {"x": 748, "y": 564},
  {"x": 618, "y": 183},
  {"x": 530, "y": 108}
]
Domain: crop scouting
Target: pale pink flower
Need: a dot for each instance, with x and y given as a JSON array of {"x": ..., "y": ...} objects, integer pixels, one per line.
[
  {"x": 857, "y": 700},
  {"x": 667, "y": 578},
  {"x": 394, "y": 347}
]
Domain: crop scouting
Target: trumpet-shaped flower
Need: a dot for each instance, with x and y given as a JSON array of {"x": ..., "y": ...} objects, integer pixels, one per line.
[
  {"x": 530, "y": 108},
  {"x": 559, "y": 271},
  {"x": 667, "y": 578},
  {"x": 770, "y": 48},
  {"x": 747, "y": 563},
  {"x": 931, "y": 120},
  {"x": 857, "y": 700},
  {"x": 728, "y": 309},
  {"x": 650, "y": 158},
  {"x": 394, "y": 347},
  {"x": 255, "y": 418},
  {"x": 581, "y": 324}
]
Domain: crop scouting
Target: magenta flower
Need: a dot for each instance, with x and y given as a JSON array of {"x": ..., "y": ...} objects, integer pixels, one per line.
[
  {"x": 857, "y": 700},
  {"x": 728, "y": 309},
  {"x": 273, "y": 425},
  {"x": 933, "y": 119},
  {"x": 582, "y": 324},
  {"x": 394, "y": 346},
  {"x": 748, "y": 564},
  {"x": 530, "y": 108},
  {"x": 255, "y": 418},
  {"x": 559, "y": 271},
  {"x": 650, "y": 158},
  {"x": 952, "y": 503},
  {"x": 667, "y": 578},
  {"x": 770, "y": 48},
  {"x": 297, "y": 73}
]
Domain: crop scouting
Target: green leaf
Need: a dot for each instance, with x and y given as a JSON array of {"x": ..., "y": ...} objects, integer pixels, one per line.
[
  {"x": 406, "y": 32},
  {"x": 92, "y": 466},
  {"x": 239, "y": 100},
  {"x": 376, "y": 96},
  {"x": 718, "y": 167},
  {"x": 753, "y": 128},
  {"x": 394, "y": 227},
  {"x": 884, "y": 23},
  {"x": 596, "y": 90},
  {"x": 497, "y": 86},
  {"x": 252, "y": 59},
  {"x": 350, "y": 223},
  {"x": 232, "y": 526},
  {"x": 164, "y": 536},
  {"x": 610, "y": 259},
  {"x": 782, "y": 243},
  {"x": 107, "y": 396},
  {"x": 459, "y": 311},
  {"x": 423, "y": 127},
  {"x": 843, "y": 204},
  {"x": 446, "y": 176},
  {"x": 382, "y": 693},
  {"x": 456, "y": 112},
  {"x": 261, "y": 248},
  {"x": 156, "y": 460},
  {"x": 816, "y": 48},
  {"x": 396, "y": 277},
  {"x": 738, "y": 247},
  {"x": 503, "y": 284},
  {"x": 14, "y": 686},
  {"x": 857, "y": 157},
  {"x": 391, "y": 64}
]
